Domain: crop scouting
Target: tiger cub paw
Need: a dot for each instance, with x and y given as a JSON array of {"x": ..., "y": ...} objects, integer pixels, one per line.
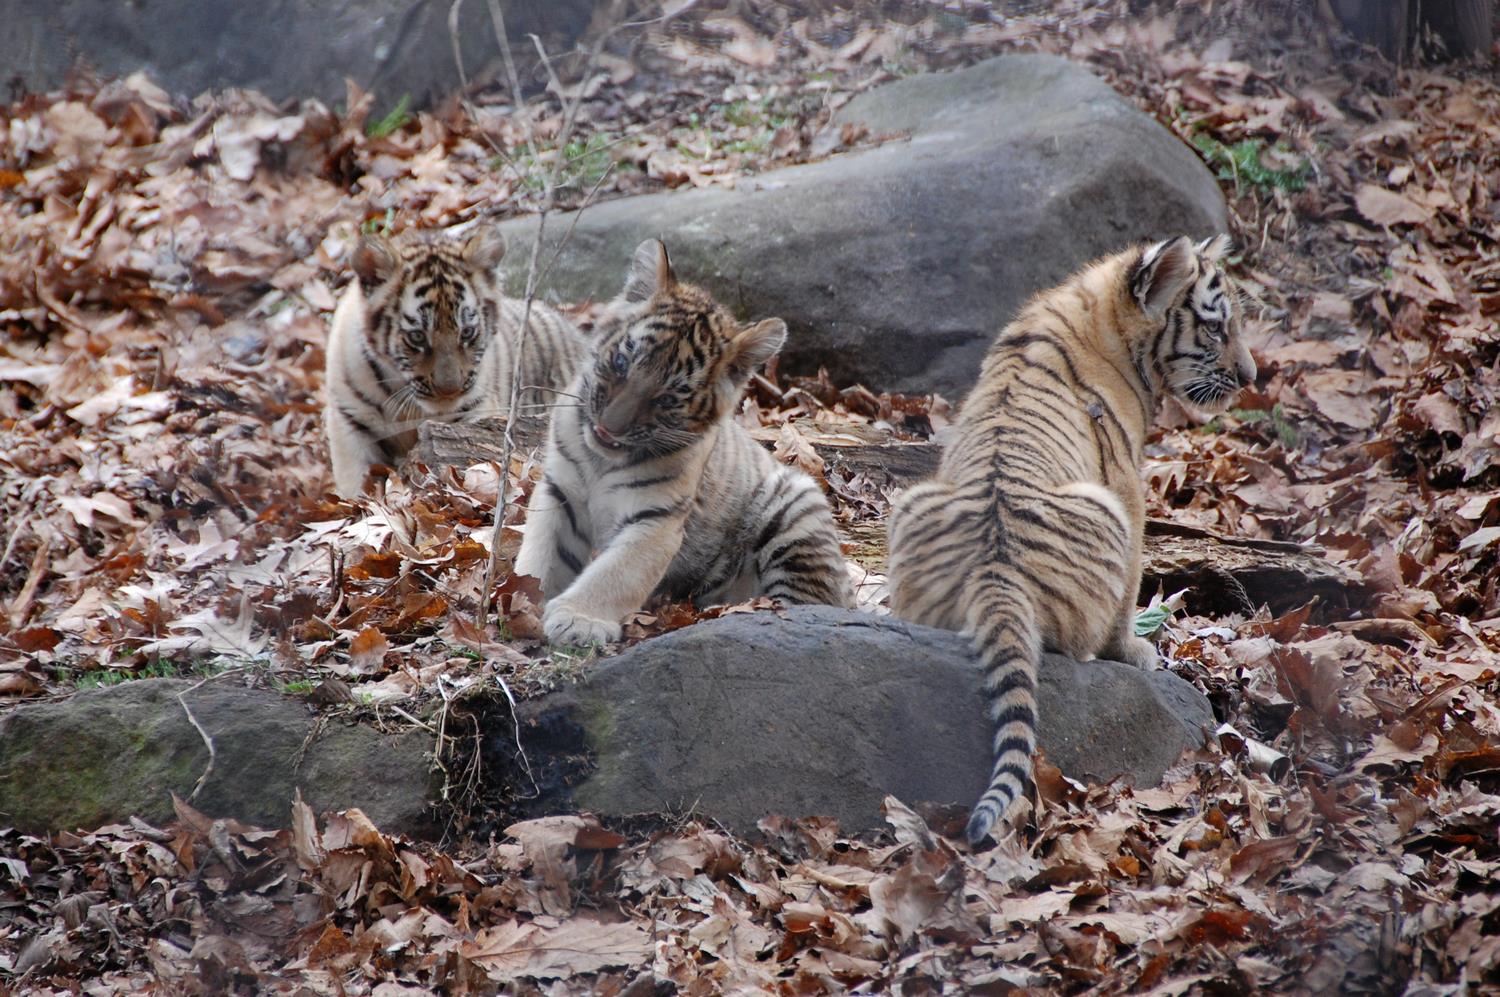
[
  {"x": 566, "y": 624},
  {"x": 1137, "y": 651}
]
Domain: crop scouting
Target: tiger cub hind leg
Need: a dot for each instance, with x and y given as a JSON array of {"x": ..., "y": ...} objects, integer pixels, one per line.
[
  {"x": 927, "y": 589},
  {"x": 796, "y": 556},
  {"x": 1122, "y": 643}
]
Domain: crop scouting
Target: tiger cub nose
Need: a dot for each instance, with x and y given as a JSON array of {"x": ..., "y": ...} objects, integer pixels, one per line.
[{"x": 1246, "y": 370}]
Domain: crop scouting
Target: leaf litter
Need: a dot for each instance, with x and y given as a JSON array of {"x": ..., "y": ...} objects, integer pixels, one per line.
[{"x": 168, "y": 273}]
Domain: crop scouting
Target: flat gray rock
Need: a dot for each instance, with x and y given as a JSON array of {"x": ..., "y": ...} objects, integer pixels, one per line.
[
  {"x": 105, "y": 755},
  {"x": 896, "y": 265},
  {"x": 825, "y": 711},
  {"x": 285, "y": 49}
]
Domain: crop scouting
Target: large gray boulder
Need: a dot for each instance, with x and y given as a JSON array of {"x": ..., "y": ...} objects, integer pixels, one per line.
[
  {"x": 896, "y": 265},
  {"x": 825, "y": 711},
  {"x": 284, "y": 48},
  {"x": 104, "y": 755}
]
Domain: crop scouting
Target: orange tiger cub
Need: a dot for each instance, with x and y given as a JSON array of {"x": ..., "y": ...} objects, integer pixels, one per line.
[
  {"x": 1029, "y": 536},
  {"x": 424, "y": 333}
]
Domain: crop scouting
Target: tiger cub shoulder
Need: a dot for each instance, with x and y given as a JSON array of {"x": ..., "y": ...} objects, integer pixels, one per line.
[
  {"x": 1029, "y": 536},
  {"x": 424, "y": 332},
  {"x": 650, "y": 485}
]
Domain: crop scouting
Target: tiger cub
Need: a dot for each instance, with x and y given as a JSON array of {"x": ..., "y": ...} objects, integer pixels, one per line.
[
  {"x": 1030, "y": 534},
  {"x": 651, "y": 486},
  {"x": 424, "y": 333}
]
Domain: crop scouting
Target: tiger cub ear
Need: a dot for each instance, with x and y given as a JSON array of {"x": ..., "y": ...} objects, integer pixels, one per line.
[
  {"x": 1164, "y": 271},
  {"x": 1214, "y": 247},
  {"x": 753, "y": 346},
  {"x": 650, "y": 272},
  {"x": 373, "y": 261},
  {"x": 484, "y": 249}
]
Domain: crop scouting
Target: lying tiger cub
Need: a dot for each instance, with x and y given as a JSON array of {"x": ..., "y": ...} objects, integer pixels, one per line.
[{"x": 651, "y": 486}]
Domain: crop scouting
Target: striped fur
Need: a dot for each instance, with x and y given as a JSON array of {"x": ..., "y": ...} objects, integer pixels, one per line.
[
  {"x": 650, "y": 485},
  {"x": 424, "y": 333},
  {"x": 1030, "y": 534}
]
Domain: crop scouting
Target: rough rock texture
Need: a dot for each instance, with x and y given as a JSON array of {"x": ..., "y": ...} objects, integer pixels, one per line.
[
  {"x": 284, "y": 48},
  {"x": 106, "y": 754},
  {"x": 896, "y": 265},
  {"x": 825, "y": 711}
]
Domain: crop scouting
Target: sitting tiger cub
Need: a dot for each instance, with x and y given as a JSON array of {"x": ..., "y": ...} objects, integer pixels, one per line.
[
  {"x": 651, "y": 486},
  {"x": 424, "y": 333},
  {"x": 1030, "y": 534}
]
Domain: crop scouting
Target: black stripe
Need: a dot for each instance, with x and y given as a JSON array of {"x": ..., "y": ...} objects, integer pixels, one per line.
[
  {"x": 566, "y": 556},
  {"x": 1016, "y": 678},
  {"x": 1019, "y": 713},
  {"x": 355, "y": 422},
  {"x": 1016, "y": 772},
  {"x": 1017, "y": 744},
  {"x": 567, "y": 507},
  {"x": 645, "y": 482},
  {"x": 655, "y": 512}
]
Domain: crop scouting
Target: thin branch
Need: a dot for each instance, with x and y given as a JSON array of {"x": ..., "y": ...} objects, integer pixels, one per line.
[
  {"x": 213, "y": 754},
  {"x": 458, "y": 56},
  {"x": 533, "y": 274}
]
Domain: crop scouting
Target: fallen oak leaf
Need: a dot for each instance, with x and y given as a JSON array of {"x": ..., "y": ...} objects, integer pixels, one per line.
[
  {"x": 367, "y": 651},
  {"x": 581, "y": 944},
  {"x": 1386, "y": 207}
]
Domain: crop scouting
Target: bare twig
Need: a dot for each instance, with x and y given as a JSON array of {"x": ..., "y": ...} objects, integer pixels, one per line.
[
  {"x": 458, "y": 55},
  {"x": 533, "y": 273},
  {"x": 515, "y": 720},
  {"x": 208, "y": 741}
]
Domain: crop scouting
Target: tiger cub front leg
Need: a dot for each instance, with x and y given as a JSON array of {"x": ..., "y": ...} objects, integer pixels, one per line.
[
  {"x": 1125, "y": 645},
  {"x": 351, "y": 452},
  {"x": 616, "y": 583},
  {"x": 556, "y": 545}
]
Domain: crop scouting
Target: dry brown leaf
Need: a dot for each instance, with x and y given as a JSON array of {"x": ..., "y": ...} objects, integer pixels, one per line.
[
  {"x": 582, "y": 944},
  {"x": 1386, "y": 207}
]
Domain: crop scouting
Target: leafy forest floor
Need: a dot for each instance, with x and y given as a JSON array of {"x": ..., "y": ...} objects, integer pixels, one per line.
[{"x": 167, "y": 271}]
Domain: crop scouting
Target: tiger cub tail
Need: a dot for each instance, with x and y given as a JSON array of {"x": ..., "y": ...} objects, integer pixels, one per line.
[
  {"x": 1002, "y": 626},
  {"x": 942, "y": 576}
]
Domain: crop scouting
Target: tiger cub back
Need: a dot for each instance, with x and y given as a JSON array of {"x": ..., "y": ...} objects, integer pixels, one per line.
[
  {"x": 425, "y": 333},
  {"x": 651, "y": 486},
  {"x": 1029, "y": 536}
]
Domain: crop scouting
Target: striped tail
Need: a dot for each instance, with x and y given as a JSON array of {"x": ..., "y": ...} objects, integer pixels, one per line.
[{"x": 1002, "y": 627}]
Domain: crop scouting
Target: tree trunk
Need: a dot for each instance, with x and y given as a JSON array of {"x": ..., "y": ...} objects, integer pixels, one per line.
[{"x": 1466, "y": 27}]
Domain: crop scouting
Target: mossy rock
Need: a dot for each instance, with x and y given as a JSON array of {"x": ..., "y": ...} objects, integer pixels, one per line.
[{"x": 105, "y": 755}]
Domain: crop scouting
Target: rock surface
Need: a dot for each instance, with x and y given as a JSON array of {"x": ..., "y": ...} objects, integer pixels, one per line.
[
  {"x": 104, "y": 755},
  {"x": 896, "y": 265},
  {"x": 825, "y": 711},
  {"x": 284, "y": 48}
]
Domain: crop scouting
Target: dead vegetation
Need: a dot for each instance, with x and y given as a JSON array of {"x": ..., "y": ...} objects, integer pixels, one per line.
[{"x": 164, "y": 286}]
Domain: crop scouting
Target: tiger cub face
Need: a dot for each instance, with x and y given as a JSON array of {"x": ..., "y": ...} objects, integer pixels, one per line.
[
  {"x": 670, "y": 362},
  {"x": 432, "y": 308},
  {"x": 1200, "y": 349}
]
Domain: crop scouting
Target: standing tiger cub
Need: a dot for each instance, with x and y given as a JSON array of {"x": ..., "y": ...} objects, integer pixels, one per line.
[
  {"x": 424, "y": 333},
  {"x": 1030, "y": 534},
  {"x": 650, "y": 485}
]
